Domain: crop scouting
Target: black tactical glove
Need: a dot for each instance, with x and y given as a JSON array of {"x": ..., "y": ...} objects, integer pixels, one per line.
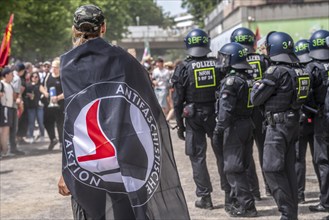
[
  {"x": 217, "y": 137},
  {"x": 180, "y": 133}
]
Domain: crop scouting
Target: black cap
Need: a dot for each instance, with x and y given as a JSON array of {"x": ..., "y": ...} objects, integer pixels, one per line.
[
  {"x": 6, "y": 71},
  {"x": 20, "y": 66},
  {"x": 88, "y": 18}
]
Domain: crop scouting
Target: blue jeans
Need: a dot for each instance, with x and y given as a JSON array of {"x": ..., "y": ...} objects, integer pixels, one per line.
[{"x": 32, "y": 114}]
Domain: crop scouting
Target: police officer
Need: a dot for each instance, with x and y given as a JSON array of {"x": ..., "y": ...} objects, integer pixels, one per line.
[
  {"x": 259, "y": 64},
  {"x": 282, "y": 91},
  {"x": 235, "y": 123},
  {"x": 195, "y": 81},
  {"x": 319, "y": 69},
  {"x": 326, "y": 110},
  {"x": 306, "y": 129}
]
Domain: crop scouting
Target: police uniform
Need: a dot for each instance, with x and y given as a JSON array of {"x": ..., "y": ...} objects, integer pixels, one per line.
[
  {"x": 306, "y": 128},
  {"x": 234, "y": 119},
  {"x": 326, "y": 110},
  {"x": 282, "y": 91},
  {"x": 195, "y": 82},
  {"x": 259, "y": 65},
  {"x": 319, "y": 72},
  {"x": 319, "y": 69},
  {"x": 234, "y": 122},
  {"x": 277, "y": 94}
]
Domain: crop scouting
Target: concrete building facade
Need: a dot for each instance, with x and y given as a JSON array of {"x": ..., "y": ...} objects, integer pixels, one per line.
[{"x": 299, "y": 18}]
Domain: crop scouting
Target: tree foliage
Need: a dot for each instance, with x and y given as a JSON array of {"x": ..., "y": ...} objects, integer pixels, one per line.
[
  {"x": 199, "y": 9},
  {"x": 42, "y": 28}
]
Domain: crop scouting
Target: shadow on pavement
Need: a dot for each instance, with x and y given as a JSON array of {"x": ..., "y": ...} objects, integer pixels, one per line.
[
  {"x": 34, "y": 149},
  {"x": 5, "y": 171},
  {"x": 268, "y": 212}
]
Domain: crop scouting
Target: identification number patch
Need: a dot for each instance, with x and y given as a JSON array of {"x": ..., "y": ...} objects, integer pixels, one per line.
[
  {"x": 205, "y": 77},
  {"x": 257, "y": 74}
]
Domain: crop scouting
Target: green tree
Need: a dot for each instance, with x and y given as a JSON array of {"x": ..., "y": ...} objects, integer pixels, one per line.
[
  {"x": 199, "y": 9},
  {"x": 42, "y": 28}
]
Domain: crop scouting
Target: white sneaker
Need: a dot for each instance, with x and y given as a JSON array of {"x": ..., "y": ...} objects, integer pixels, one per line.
[
  {"x": 30, "y": 140},
  {"x": 9, "y": 155}
]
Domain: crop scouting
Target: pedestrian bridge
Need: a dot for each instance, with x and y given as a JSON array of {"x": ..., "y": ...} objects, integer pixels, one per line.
[{"x": 157, "y": 38}]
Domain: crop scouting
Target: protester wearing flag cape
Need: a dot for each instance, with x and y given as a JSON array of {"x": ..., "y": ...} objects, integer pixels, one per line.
[{"x": 118, "y": 161}]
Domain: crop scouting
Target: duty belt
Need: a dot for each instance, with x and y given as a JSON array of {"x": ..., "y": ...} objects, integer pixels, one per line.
[{"x": 281, "y": 117}]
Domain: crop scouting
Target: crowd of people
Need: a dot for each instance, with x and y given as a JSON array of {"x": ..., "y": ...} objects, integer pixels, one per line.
[
  {"x": 31, "y": 102},
  {"x": 161, "y": 72}
]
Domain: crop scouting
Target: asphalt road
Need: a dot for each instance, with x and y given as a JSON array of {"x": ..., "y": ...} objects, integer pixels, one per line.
[{"x": 28, "y": 187}]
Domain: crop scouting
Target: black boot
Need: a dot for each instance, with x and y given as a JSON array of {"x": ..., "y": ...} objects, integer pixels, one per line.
[
  {"x": 52, "y": 144},
  {"x": 243, "y": 212},
  {"x": 230, "y": 202},
  {"x": 204, "y": 203},
  {"x": 318, "y": 208}
]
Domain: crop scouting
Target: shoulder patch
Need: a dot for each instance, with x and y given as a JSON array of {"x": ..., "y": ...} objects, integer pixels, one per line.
[
  {"x": 270, "y": 70},
  {"x": 229, "y": 81}
]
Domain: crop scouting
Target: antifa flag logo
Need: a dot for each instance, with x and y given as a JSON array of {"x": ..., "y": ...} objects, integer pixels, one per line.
[{"x": 112, "y": 141}]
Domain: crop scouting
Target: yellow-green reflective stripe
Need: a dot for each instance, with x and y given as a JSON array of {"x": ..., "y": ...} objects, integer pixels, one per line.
[{"x": 299, "y": 86}]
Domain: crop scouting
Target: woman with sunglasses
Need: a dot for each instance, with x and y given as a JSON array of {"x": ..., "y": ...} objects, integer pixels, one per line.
[{"x": 34, "y": 110}]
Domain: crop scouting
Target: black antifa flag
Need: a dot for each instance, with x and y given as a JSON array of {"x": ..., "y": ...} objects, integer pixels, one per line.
[{"x": 116, "y": 139}]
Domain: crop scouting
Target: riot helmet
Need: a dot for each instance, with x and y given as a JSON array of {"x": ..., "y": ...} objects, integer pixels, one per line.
[
  {"x": 245, "y": 37},
  {"x": 280, "y": 47},
  {"x": 302, "y": 51},
  {"x": 233, "y": 55},
  {"x": 318, "y": 47},
  {"x": 197, "y": 43}
]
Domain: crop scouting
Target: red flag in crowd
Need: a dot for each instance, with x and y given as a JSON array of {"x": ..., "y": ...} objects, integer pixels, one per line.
[
  {"x": 257, "y": 34},
  {"x": 5, "y": 45}
]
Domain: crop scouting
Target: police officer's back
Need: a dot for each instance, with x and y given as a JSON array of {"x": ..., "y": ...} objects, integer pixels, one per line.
[
  {"x": 319, "y": 69},
  {"x": 195, "y": 82},
  {"x": 234, "y": 122},
  {"x": 306, "y": 129},
  {"x": 282, "y": 91},
  {"x": 326, "y": 110},
  {"x": 259, "y": 64}
]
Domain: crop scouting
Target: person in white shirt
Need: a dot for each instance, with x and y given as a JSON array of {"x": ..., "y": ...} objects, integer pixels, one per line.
[
  {"x": 7, "y": 106},
  {"x": 160, "y": 80},
  {"x": 46, "y": 69}
]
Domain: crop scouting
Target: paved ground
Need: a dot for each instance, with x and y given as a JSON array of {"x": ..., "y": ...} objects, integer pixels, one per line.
[{"x": 28, "y": 187}]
